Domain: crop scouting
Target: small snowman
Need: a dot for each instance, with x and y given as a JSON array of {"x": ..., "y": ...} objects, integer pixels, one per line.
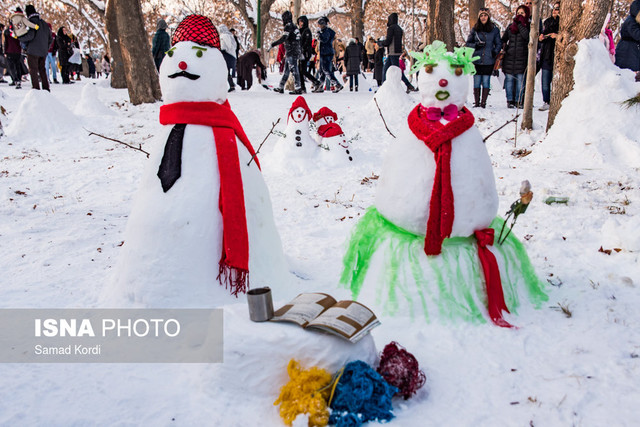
[
  {"x": 202, "y": 224},
  {"x": 332, "y": 138},
  {"x": 297, "y": 150},
  {"x": 434, "y": 216}
]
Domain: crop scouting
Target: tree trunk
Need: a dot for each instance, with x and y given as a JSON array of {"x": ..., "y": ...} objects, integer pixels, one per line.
[
  {"x": 440, "y": 26},
  {"x": 578, "y": 20},
  {"x": 474, "y": 10},
  {"x": 117, "y": 69},
  {"x": 356, "y": 14},
  {"x": 527, "y": 112},
  {"x": 139, "y": 69},
  {"x": 297, "y": 5}
]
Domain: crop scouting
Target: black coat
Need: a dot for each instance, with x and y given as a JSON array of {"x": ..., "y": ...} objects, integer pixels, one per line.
[
  {"x": 352, "y": 59},
  {"x": 64, "y": 46},
  {"x": 39, "y": 46},
  {"x": 548, "y": 48},
  {"x": 306, "y": 39},
  {"x": 486, "y": 43},
  {"x": 247, "y": 63},
  {"x": 378, "y": 64},
  {"x": 628, "y": 48},
  {"x": 516, "y": 50},
  {"x": 393, "y": 42},
  {"x": 291, "y": 37}
]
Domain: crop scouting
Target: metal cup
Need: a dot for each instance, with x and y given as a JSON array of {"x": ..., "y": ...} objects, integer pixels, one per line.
[{"x": 260, "y": 304}]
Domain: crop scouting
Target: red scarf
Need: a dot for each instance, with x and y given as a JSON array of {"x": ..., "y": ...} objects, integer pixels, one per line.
[
  {"x": 495, "y": 295},
  {"x": 234, "y": 262},
  {"x": 438, "y": 138}
]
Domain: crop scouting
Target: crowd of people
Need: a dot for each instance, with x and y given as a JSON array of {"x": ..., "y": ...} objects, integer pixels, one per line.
[{"x": 30, "y": 47}]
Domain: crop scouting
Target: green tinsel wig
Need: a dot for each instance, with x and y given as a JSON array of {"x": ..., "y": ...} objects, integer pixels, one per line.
[{"x": 436, "y": 52}]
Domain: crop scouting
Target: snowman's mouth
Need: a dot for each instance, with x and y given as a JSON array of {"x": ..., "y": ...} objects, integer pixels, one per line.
[
  {"x": 184, "y": 74},
  {"x": 441, "y": 95}
]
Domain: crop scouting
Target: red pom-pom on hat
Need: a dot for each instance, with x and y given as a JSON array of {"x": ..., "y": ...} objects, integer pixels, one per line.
[
  {"x": 198, "y": 29},
  {"x": 324, "y": 112},
  {"x": 300, "y": 102}
]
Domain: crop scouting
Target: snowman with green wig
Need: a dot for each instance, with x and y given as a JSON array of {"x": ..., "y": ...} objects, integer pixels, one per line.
[{"x": 428, "y": 246}]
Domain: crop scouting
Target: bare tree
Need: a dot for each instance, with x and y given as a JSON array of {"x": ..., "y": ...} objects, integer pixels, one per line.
[
  {"x": 527, "y": 112},
  {"x": 247, "y": 13},
  {"x": 139, "y": 70},
  {"x": 579, "y": 19},
  {"x": 357, "y": 9},
  {"x": 441, "y": 22}
]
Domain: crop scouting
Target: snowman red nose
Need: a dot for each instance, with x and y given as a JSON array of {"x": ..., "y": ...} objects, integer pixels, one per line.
[
  {"x": 442, "y": 82},
  {"x": 183, "y": 66}
]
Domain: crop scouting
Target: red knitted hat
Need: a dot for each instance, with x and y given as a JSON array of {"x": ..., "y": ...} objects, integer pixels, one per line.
[
  {"x": 324, "y": 112},
  {"x": 300, "y": 103},
  {"x": 198, "y": 29}
]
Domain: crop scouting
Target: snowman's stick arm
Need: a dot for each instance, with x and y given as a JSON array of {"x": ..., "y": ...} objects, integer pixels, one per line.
[
  {"x": 138, "y": 148},
  {"x": 263, "y": 141},
  {"x": 382, "y": 117},
  {"x": 497, "y": 130}
]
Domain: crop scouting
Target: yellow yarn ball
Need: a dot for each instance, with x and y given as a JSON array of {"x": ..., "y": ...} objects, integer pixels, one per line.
[{"x": 303, "y": 394}]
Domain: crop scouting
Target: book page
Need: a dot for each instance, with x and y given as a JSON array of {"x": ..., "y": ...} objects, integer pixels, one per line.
[
  {"x": 349, "y": 319},
  {"x": 304, "y": 308}
]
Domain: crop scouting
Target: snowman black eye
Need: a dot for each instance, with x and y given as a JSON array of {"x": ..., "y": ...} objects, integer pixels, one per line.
[
  {"x": 199, "y": 54},
  {"x": 170, "y": 53}
]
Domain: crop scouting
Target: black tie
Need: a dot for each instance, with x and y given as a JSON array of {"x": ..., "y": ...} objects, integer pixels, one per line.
[{"x": 171, "y": 164}]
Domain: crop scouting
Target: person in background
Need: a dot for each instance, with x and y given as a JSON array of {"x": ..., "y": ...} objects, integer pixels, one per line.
[
  {"x": 65, "y": 50},
  {"x": 98, "y": 68},
  {"x": 20, "y": 24},
  {"x": 246, "y": 64},
  {"x": 606, "y": 37},
  {"x": 370, "y": 49},
  {"x": 76, "y": 67},
  {"x": 306, "y": 45},
  {"x": 393, "y": 43},
  {"x": 485, "y": 39},
  {"x": 628, "y": 48},
  {"x": 235, "y": 37},
  {"x": 228, "y": 47},
  {"x": 2, "y": 58},
  {"x": 50, "y": 62},
  {"x": 325, "y": 37},
  {"x": 91, "y": 65},
  {"x": 160, "y": 43},
  {"x": 106, "y": 66},
  {"x": 352, "y": 60},
  {"x": 290, "y": 38},
  {"x": 550, "y": 30},
  {"x": 515, "y": 41},
  {"x": 378, "y": 63},
  {"x": 37, "y": 49}
]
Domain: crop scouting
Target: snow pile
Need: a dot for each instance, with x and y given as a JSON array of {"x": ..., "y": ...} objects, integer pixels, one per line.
[
  {"x": 39, "y": 114},
  {"x": 621, "y": 234},
  {"x": 592, "y": 120},
  {"x": 393, "y": 100},
  {"x": 90, "y": 103},
  {"x": 256, "y": 354}
]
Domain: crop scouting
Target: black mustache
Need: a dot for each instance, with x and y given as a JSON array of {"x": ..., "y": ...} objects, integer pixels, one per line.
[{"x": 184, "y": 74}]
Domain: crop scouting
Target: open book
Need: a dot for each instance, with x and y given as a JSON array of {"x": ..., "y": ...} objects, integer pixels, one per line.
[{"x": 347, "y": 319}]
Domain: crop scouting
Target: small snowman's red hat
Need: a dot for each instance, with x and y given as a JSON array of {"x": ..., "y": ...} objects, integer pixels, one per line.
[
  {"x": 324, "y": 112},
  {"x": 300, "y": 103},
  {"x": 198, "y": 29}
]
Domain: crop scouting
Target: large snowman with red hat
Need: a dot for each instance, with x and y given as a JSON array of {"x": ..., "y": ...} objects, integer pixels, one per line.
[
  {"x": 429, "y": 248},
  {"x": 337, "y": 149},
  {"x": 201, "y": 230},
  {"x": 296, "y": 150}
]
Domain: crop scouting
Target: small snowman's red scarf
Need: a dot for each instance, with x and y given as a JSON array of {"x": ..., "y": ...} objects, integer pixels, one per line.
[
  {"x": 438, "y": 138},
  {"x": 330, "y": 129},
  {"x": 234, "y": 262}
]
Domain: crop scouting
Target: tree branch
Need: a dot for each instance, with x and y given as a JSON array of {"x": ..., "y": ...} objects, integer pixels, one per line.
[{"x": 138, "y": 148}]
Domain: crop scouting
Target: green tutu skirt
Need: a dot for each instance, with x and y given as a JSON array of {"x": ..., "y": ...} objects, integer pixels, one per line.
[{"x": 450, "y": 285}]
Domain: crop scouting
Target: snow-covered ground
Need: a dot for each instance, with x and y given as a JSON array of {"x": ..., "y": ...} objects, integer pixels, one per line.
[{"x": 576, "y": 361}]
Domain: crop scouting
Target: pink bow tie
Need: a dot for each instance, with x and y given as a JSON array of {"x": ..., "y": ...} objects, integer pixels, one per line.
[{"x": 450, "y": 112}]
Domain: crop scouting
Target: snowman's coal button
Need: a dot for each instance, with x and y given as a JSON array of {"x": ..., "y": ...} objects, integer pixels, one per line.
[
  {"x": 298, "y": 132},
  {"x": 298, "y": 144},
  {"x": 350, "y": 158},
  {"x": 347, "y": 151},
  {"x": 298, "y": 138}
]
